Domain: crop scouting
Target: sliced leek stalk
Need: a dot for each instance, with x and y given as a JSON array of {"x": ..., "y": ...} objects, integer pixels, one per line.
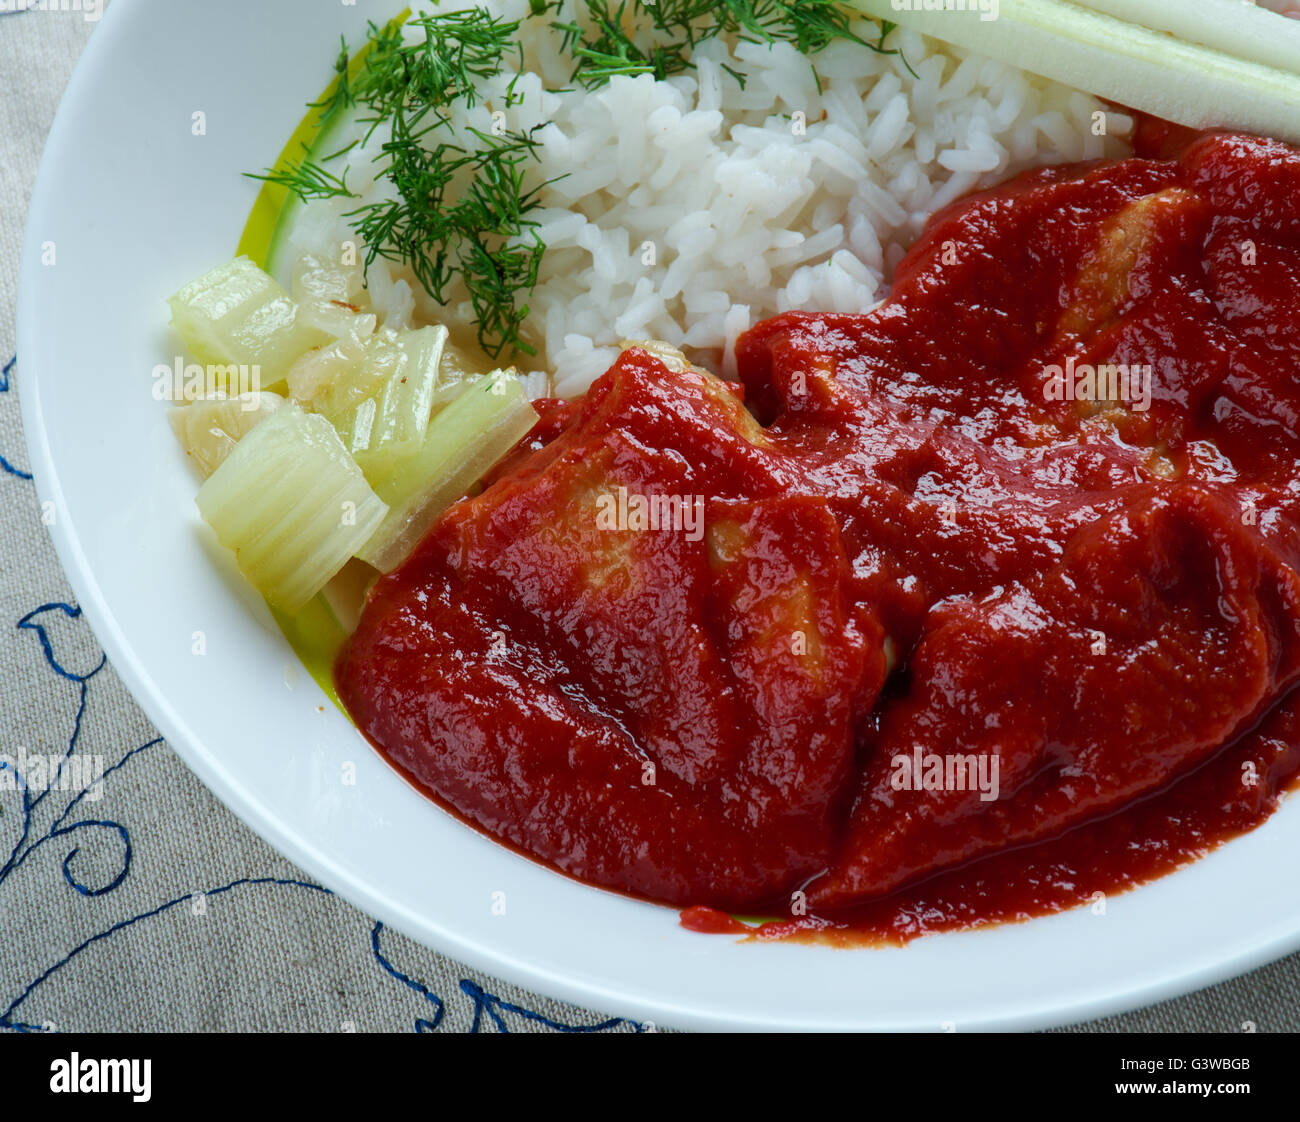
[
  {"x": 1179, "y": 79},
  {"x": 1238, "y": 29}
]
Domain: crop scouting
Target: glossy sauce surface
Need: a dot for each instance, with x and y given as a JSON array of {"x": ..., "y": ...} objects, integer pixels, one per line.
[{"x": 938, "y": 546}]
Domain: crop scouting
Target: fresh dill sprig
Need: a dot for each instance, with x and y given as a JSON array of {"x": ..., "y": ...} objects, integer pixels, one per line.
[
  {"x": 614, "y": 38},
  {"x": 309, "y": 180},
  {"x": 458, "y": 211},
  {"x": 610, "y": 46},
  {"x": 461, "y": 210},
  {"x": 415, "y": 76},
  {"x": 339, "y": 96}
]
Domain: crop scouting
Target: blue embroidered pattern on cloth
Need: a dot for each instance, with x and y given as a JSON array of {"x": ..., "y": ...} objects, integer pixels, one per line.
[
  {"x": 43, "y": 822},
  {"x": 4, "y": 388},
  {"x": 129, "y": 898}
]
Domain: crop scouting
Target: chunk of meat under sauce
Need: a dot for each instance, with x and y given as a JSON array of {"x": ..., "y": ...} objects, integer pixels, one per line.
[{"x": 1038, "y": 511}]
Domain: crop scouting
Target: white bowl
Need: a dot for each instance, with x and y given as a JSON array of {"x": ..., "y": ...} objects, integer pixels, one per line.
[{"x": 135, "y": 205}]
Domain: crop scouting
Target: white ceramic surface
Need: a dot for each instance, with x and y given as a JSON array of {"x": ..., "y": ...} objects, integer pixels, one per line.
[{"x": 135, "y": 205}]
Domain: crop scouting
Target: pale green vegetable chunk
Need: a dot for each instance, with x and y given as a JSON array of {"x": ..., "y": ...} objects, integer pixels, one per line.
[
  {"x": 315, "y": 278},
  {"x": 461, "y": 444},
  {"x": 456, "y": 372},
  {"x": 1241, "y": 30},
  {"x": 292, "y": 505},
  {"x": 378, "y": 393},
  {"x": 1191, "y": 77},
  {"x": 335, "y": 379},
  {"x": 329, "y": 298},
  {"x": 337, "y": 321},
  {"x": 210, "y": 428},
  {"x": 238, "y": 314},
  {"x": 392, "y": 424}
]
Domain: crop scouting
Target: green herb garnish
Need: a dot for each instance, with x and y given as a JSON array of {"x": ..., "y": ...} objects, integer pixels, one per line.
[
  {"x": 658, "y": 36},
  {"x": 458, "y": 211},
  {"x": 461, "y": 212},
  {"x": 462, "y": 209}
]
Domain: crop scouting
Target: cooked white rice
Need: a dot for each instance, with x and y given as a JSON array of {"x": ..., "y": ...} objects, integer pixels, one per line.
[{"x": 692, "y": 208}]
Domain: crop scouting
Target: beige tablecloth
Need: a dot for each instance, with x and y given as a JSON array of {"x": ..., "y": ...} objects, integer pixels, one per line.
[{"x": 153, "y": 908}]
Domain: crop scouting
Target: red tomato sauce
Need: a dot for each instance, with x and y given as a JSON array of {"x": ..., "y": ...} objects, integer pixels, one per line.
[{"x": 986, "y": 604}]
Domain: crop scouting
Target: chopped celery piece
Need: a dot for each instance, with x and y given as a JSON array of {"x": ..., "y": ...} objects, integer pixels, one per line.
[
  {"x": 314, "y": 278},
  {"x": 392, "y": 424},
  {"x": 336, "y": 320},
  {"x": 329, "y": 299},
  {"x": 292, "y": 505},
  {"x": 238, "y": 314},
  {"x": 210, "y": 428},
  {"x": 336, "y": 379},
  {"x": 457, "y": 366},
  {"x": 456, "y": 373},
  {"x": 346, "y": 593},
  {"x": 459, "y": 447},
  {"x": 378, "y": 393}
]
